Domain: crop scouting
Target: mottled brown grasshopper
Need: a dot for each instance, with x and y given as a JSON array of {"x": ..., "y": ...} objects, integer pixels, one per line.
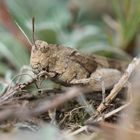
[{"x": 68, "y": 66}]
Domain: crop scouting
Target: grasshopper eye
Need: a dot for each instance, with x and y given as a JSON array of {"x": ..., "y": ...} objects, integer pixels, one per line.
[{"x": 44, "y": 49}]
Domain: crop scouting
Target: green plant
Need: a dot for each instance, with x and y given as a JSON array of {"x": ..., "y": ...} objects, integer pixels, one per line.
[{"x": 127, "y": 12}]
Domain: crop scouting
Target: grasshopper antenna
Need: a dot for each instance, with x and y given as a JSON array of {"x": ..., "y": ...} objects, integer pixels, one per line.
[
  {"x": 24, "y": 33},
  {"x": 33, "y": 29}
]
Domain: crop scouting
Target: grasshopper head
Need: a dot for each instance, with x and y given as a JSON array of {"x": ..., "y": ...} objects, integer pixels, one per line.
[{"x": 39, "y": 55}]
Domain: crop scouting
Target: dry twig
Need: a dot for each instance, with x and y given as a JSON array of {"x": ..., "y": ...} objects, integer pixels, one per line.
[{"x": 117, "y": 87}]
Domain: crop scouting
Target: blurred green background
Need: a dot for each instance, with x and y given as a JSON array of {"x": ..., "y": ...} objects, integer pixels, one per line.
[{"x": 105, "y": 27}]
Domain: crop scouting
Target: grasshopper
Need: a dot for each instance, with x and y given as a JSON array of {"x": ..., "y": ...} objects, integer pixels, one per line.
[{"x": 68, "y": 66}]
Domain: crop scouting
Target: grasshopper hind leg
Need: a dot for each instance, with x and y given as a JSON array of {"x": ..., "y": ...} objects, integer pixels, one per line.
[{"x": 103, "y": 75}]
